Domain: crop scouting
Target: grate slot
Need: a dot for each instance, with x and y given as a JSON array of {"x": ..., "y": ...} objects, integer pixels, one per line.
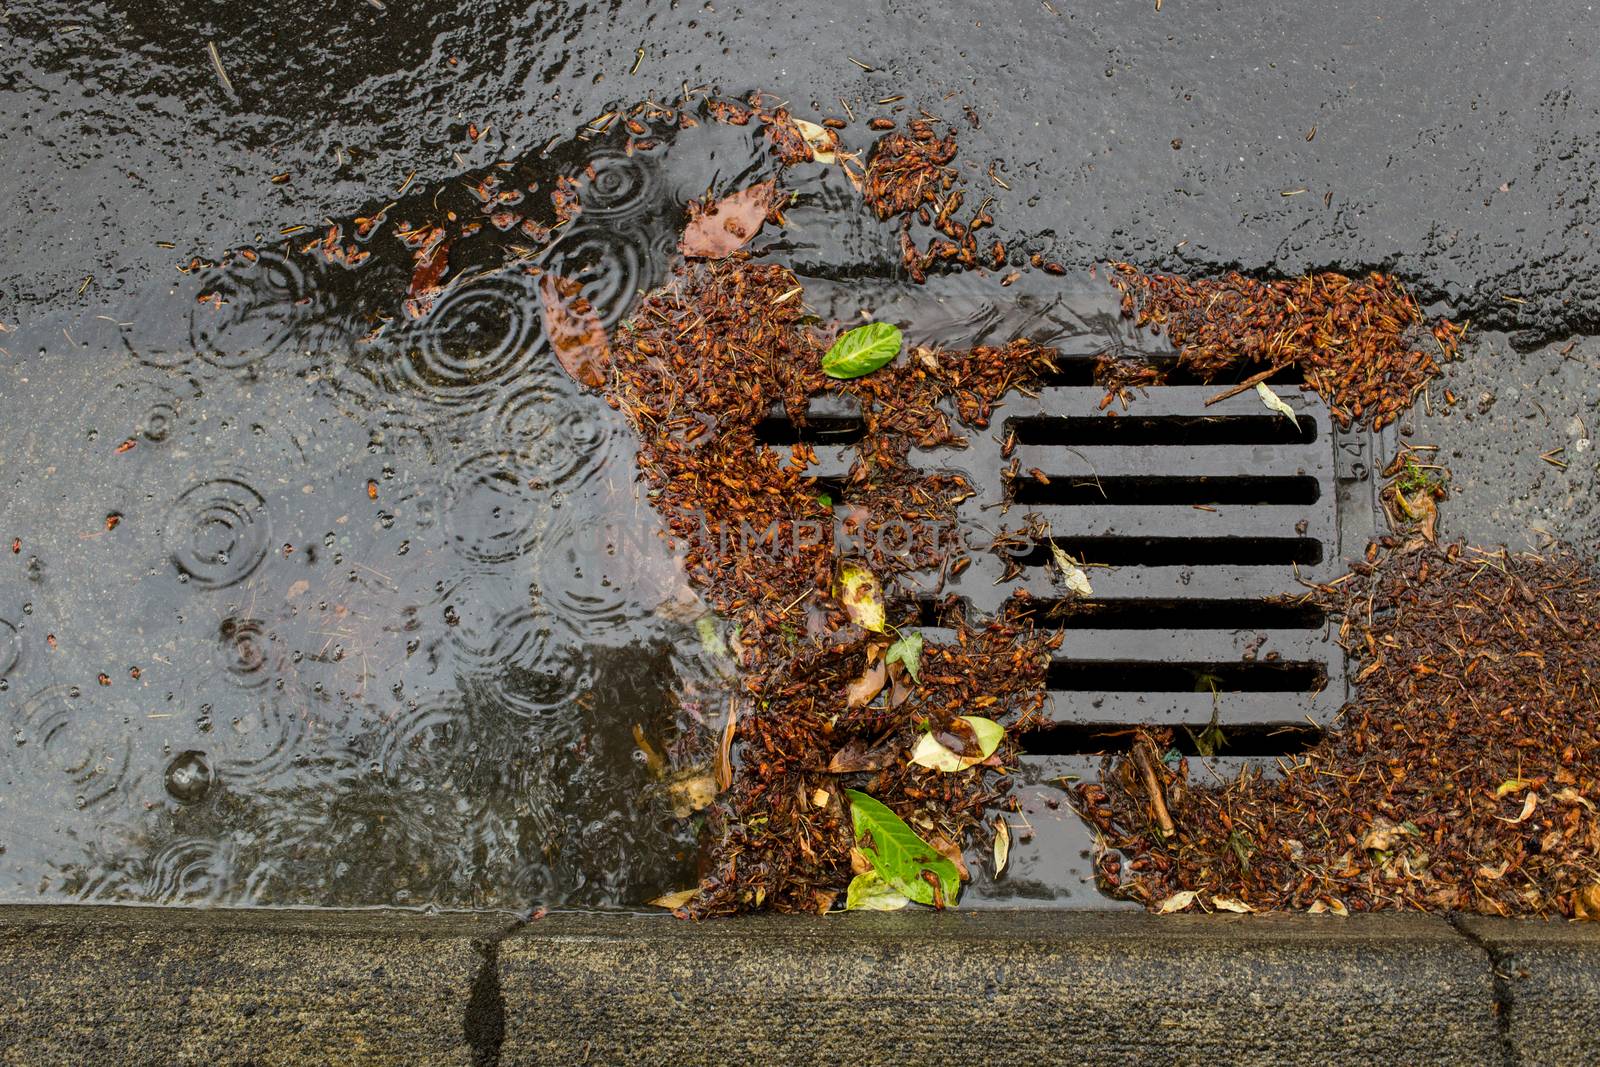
[
  {"x": 1118, "y": 550},
  {"x": 1151, "y": 676},
  {"x": 823, "y": 430},
  {"x": 1171, "y": 612},
  {"x": 1071, "y": 739},
  {"x": 1140, "y": 431},
  {"x": 1165, "y": 489}
]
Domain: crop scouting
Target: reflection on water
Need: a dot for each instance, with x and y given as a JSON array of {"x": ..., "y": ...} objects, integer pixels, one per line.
[{"x": 329, "y": 587}]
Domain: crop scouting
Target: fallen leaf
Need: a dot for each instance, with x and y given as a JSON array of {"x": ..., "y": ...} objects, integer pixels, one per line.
[
  {"x": 869, "y": 892},
  {"x": 856, "y": 756},
  {"x": 691, "y": 791},
  {"x": 1381, "y": 837},
  {"x": 899, "y": 856},
  {"x": 907, "y": 650},
  {"x": 864, "y": 689},
  {"x": 935, "y": 754},
  {"x": 574, "y": 330},
  {"x": 726, "y": 226},
  {"x": 858, "y": 590},
  {"x": 1421, "y": 507},
  {"x": 1232, "y": 904},
  {"x": 952, "y": 852},
  {"x": 900, "y": 687},
  {"x": 1002, "y": 845},
  {"x": 1494, "y": 874},
  {"x": 430, "y": 262},
  {"x": 1570, "y": 795},
  {"x": 822, "y": 141},
  {"x": 862, "y": 350},
  {"x": 1273, "y": 401},
  {"x": 1586, "y": 902},
  {"x": 1511, "y": 785},
  {"x": 1176, "y": 902},
  {"x": 1329, "y": 905},
  {"x": 859, "y": 864},
  {"x": 724, "y": 762},
  {"x": 674, "y": 901},
  {"x": 1530, "y": 802},
  {"x": 1077, "y": 581},
  {"x": 711, "y": 642}
]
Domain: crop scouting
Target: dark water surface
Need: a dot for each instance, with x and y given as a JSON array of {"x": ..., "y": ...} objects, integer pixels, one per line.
[{"x": 317, "y": 602}]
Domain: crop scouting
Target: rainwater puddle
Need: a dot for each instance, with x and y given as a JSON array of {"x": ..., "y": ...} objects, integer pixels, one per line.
[{"x": 324, "y": 592}]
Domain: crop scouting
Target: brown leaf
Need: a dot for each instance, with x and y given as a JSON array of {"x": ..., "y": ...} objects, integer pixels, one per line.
[
  {"x": 574, "y": 331},
  {"x": 856, "y": 756},
  {"x": 1586, "y": 902},
  {"x": 726, "y": 226},
  {"x": 952, "y": 852},
  {"x": 900, "y": 686},
  {"x": 862, "y": 691}
]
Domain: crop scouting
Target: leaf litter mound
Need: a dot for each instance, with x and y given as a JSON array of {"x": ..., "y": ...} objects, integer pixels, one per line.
[{"x": 1464, "y": 776}]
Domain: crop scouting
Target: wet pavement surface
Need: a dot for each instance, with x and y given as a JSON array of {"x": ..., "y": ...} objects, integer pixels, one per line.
[{"x": 297, "y": 615}]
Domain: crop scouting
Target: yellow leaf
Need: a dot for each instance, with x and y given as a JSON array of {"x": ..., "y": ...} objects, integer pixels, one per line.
[
  {"x": 1232, "y": 904},
  {"x": 932, "y": 753},
  {"x": 1273, "y": 401},
  {"x": 858, "y": 590},
  {"x": 674, "y": 901},
  {"x": 1511, "y": 786},
  {"x": 822, "y": 140}
]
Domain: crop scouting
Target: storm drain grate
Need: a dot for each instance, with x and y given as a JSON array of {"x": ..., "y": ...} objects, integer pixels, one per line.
[{"x": 1195, "y": 522}]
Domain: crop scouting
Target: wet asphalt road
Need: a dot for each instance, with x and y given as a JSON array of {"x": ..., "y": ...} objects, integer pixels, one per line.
[{"x": 1452, "y": 145}]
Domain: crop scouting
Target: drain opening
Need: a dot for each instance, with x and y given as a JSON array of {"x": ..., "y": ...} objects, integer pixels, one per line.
[
  {"x": 1144, "y": 676},
  {"x": 1082, "y": 739}
]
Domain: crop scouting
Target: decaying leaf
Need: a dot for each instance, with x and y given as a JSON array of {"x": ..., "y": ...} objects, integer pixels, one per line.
[
  {"x": 1275, "y": 402},
  {"x": 907, "y": 651},
  {"x": 900, "y": 687},
  {"x": 1586, "y": 902},
  {"x": 574, "y": 331},
  {"x": 823, "y": 141},
  {"x": 1529, "y": 802},
  {"x": 1330, "y": 905},
  {"x": 899, "y": 856},
  {"x": 1076, "y": 580},
  {"x": 865, "y": 689},
  {"x": 674, "y": 901},
  {"x": 1177, "y": 902},
  {"x": 856, "y": 756},
  {"x": 858, "y": 590},
  {"x": 711, "y": 642},
  {"x": 690, "y": 791},
  {"x": 952, "y": 852},
  {"x": 869, "y": 892},
  {"x": 1002, "y": 846},
  {"x": 722, "y": 228},
  {"x": 975, "y": 736},
  {"x": 1233, "y": 904},
  {"x": 1511, "y": 785},
  {"x": 1383, "y": 834}
]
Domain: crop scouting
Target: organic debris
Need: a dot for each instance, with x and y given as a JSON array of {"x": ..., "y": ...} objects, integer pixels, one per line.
[
  {"x": 1465, "y": 775},
  {"x": 909, "y": 177},
  {"x": 836, "y": 686},
  {"x": 1360, "y": 344}
]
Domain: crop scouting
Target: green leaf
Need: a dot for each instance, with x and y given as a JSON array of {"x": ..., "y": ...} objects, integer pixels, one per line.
[
  {"x": 862, "y": 350},
  {"x": 908, "y": 651},
  {"x": 869, "y": 892},
  {"x": 711, "y": 642},
  {"x": 898, "y": 854},
  {"x": 825, "y": 500}
]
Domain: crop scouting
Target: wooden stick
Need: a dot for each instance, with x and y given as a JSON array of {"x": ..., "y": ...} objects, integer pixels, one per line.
[{"x": 1246, "y": 384}]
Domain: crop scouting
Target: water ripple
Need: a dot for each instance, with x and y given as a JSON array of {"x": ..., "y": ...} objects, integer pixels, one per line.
[
  {"x": 479, "y": 335},
  {"x": 494, "y": 514},
  {"x": 218, "y": 532},
  {"x": 74, "y": 737},
  {"x": 250, "y": 309}
]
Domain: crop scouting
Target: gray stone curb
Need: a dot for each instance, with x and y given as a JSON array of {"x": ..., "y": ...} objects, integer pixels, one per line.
[{"x": 144, "y": 985}]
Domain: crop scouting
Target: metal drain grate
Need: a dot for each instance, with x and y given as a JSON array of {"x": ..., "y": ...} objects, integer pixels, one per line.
[{"x": 1195, "y": 521}]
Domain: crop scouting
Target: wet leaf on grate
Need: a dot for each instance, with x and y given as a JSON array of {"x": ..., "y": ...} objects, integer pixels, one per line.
[
  {"x": 907, "y": 651},
  {"x": 823, "y": 141},
  {"x": 856, "y": 756},
  {"x": 574, "y": 330},
  {"x": 862, "y": 350},
  {"x": 690, "y": 791},
  {"x": 858, "y": 590},
  {"x": 970, "y": 740},
  {"x": 719, "y": 230},
  {"x": 1002, "y": 846},
  {"x": 869, "y": 892},
  {"x": 1275, "y": 402},
  {"x": 899, "y": 856},
  {"x": 1077, "y": 581}
]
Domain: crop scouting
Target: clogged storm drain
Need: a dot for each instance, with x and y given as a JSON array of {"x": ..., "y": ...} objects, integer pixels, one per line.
[{"x": 911, "y": 530}]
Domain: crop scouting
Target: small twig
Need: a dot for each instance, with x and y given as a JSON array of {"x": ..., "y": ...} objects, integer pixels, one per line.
[{"x": 1248, "y": 383}]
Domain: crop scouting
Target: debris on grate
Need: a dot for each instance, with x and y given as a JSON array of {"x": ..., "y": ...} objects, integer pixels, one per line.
[{"x": 1194, "y": 524}]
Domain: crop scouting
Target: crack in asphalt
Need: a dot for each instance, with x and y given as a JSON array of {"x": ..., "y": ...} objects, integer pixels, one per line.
[{"x": 1504, "y": 998}]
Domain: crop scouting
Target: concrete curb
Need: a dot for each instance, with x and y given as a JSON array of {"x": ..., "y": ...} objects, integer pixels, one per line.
[{"x": 145, "y": 985}]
